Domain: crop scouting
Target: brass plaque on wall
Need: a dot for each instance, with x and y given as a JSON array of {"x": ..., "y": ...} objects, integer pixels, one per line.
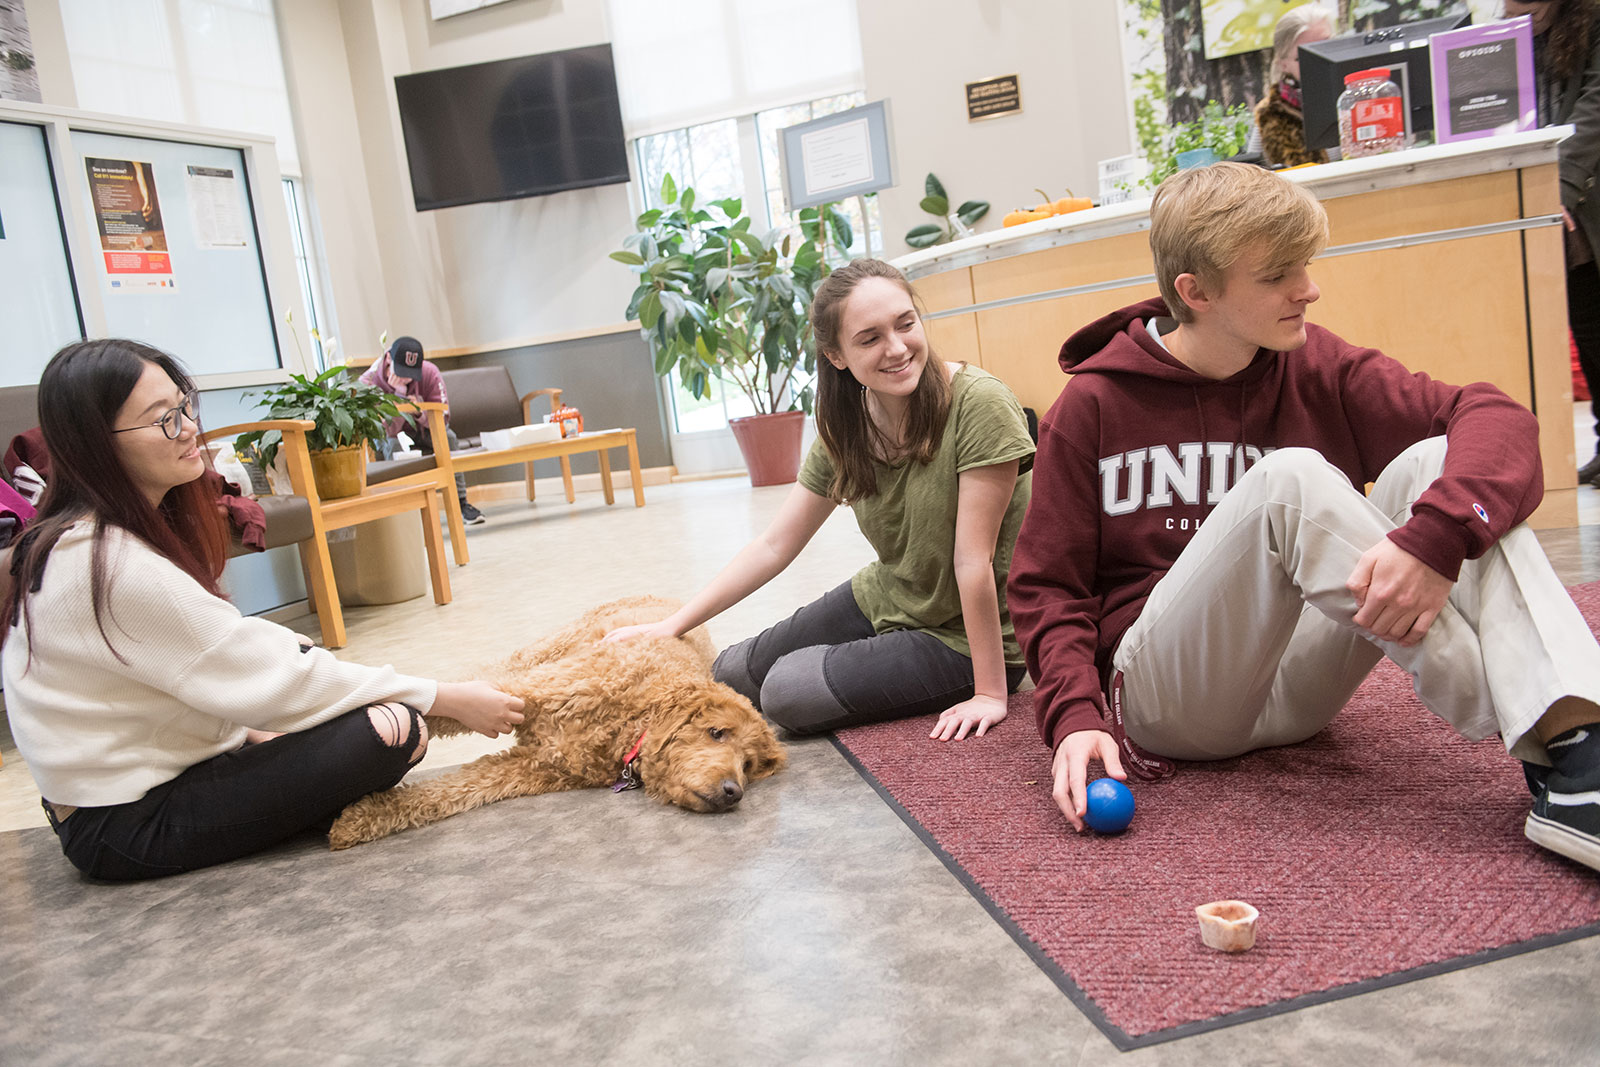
[{"x": 993, "y": 97}]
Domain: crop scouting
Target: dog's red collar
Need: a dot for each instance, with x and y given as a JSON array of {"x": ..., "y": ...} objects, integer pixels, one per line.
[{"x": 630, "y": 777}]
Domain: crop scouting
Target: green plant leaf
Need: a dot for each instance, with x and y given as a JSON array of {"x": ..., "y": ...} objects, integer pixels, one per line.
[
  {"x": 687, "y": 201},
  {"x": 936, "y": 205},
  {"x": 807, "y": 257},
  {"x": 649, "y": 218},
  {"x": 843, "y": 234},
  {"x": 933, "y": 187},
  {"x": 749, "y": 240},
  {"x": 344, "y": 426},
  {"x": 669, "y": 190},
  {"x": 925, "y": 235},
  {"x": 650, "y": 310},
  {"x": 630, "y": 258},
  {"x": 672, "y": 307},
  {"x": 972, "y": 210}
]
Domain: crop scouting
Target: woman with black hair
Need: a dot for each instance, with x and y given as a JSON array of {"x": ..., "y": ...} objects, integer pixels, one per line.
[
  {"x": 167, "y": 731},
  {"x": 1566, "y": 59}
]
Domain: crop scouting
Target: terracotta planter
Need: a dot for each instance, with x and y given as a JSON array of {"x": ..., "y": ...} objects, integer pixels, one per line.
[
  {"x": 340, "y": 472},
  {"x": 771, "y": 445}
]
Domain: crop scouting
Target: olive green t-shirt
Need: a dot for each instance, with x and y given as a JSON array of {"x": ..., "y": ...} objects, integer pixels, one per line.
[{"x": 911, "y": 520}]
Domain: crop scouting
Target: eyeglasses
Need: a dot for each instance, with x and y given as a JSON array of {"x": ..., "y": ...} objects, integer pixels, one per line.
[{"x": 171, "y": 422}]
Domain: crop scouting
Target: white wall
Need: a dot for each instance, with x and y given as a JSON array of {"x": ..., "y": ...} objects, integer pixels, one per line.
[
  {"x": 459, "y": 276},
  {"x": 1068, "y": 56}
]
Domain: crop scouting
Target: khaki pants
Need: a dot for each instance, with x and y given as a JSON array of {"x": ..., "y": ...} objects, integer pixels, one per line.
[{"x": 1248, "y": 641}]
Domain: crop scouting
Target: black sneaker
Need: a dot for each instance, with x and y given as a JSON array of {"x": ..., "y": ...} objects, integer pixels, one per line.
[
  {"x": 471, "y": 516},
  {"x": 1589, "y": 471},
  {"x": 1566, "y": 819}
]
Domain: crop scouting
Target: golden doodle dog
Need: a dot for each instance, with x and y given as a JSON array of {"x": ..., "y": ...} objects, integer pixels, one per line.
[{"x": 631, "y": 713}]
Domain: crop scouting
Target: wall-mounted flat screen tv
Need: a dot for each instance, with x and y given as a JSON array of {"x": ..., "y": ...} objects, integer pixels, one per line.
[{"x": 513, "y": 128}]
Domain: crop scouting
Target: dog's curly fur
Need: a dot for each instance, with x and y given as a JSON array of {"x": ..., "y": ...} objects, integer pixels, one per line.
[{"x": 587, "y": 704}]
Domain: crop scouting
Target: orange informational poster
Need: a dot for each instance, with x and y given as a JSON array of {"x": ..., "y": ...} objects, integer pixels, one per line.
[{"x": 127, "y": 213}]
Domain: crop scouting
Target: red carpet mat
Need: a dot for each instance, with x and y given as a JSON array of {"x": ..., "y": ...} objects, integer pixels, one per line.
[{"x": 1383, "y": 850}]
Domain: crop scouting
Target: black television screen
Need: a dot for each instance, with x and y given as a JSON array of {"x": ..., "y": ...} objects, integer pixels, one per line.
[
  {"x": 1323, "y": 66},
  {"x": 513, "y": 128}
]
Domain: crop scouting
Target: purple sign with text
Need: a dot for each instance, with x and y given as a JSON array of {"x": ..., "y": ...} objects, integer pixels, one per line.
[{"x": 1483, "y": 80}]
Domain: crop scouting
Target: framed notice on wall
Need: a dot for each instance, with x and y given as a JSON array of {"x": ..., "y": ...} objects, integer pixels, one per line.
[
  {"x": 1483, "y": 80},
  {"x": 839, "y": 155}
]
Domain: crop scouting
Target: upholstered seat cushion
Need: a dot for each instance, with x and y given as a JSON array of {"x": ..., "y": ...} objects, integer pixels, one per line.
[
  {"x": 288, "y": 521},
  {"x": 387, "y": 470}
]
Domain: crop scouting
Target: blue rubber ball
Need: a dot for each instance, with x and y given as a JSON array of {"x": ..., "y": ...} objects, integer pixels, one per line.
[{"x": 1110, "y": 806}]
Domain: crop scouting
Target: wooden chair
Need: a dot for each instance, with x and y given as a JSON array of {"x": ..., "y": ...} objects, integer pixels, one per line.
[
  {"x": 435, "y": 470},
  {"x": 375, "y": 502}
]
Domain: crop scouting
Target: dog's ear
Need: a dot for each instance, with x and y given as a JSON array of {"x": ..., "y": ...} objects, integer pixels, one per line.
[{"x": 767, "y": 756}]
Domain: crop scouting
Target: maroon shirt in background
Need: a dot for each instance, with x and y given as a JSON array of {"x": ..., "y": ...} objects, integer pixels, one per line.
[
  {"x": 1114, "y": 503},
  {"x": 429, "y": 389},
  {"x": 28, "y": 448}
]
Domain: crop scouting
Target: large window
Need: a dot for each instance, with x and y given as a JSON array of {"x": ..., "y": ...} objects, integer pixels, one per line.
[
  {"x": 213, "y": 63},
  {"x": 199, "y": 62},
  {"x": 738, "y": 157},
  {"x": 306, "y": 271}
]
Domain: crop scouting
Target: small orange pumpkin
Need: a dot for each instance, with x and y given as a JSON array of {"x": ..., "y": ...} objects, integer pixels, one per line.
[{"x": 1022, "y": 215}]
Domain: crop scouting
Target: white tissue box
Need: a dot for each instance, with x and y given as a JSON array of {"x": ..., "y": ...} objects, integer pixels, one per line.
[{"x": 516, "y": 436}]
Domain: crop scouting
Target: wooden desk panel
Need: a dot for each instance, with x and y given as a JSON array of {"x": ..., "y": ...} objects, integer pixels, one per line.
[{"x": 1473, "y": 308}]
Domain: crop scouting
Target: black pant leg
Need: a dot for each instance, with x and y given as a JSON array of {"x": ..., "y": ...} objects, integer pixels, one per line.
[
  {"x": 1583, "y": 316},
  {"x": 239, "y": 802},
  {"x": 831, "y": 619}
]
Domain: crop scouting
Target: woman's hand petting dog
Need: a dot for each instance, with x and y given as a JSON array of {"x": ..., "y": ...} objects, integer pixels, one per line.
[
  {"x": 478, "y": 706},
  {"x": 644, "y": 629}
]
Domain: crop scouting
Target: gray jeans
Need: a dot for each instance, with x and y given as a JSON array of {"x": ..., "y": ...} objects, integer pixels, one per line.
[
  {"x": 387, "y": 449},
  {"x": 824, "y": 668}
]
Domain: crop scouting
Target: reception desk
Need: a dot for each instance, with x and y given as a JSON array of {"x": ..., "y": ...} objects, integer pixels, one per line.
[{"x": 1448, "y": 258}]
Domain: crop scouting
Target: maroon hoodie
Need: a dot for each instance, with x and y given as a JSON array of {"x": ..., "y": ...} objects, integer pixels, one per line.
[{"x": 1138, "y": 449}]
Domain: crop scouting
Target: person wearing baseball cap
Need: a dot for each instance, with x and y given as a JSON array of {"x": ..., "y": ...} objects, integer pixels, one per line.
[{"x": 404, "y": 372}]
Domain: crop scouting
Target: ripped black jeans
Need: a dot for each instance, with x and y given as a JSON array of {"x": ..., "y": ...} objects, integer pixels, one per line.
[{"x": 241, "y": 801}]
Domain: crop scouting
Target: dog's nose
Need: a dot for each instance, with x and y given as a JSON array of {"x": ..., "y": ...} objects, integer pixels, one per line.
[{"x": 732, "y": 792}]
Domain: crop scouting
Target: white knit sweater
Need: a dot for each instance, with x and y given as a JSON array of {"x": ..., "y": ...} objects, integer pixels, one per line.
[{"x": 97, "y": 731}]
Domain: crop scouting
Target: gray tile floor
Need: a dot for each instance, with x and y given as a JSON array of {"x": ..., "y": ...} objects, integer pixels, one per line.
[{"x": 809, "y": 926}]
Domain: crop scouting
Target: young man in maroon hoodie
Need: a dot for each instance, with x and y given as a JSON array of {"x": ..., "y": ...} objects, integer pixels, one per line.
[{"x": 1199, "y": 556}]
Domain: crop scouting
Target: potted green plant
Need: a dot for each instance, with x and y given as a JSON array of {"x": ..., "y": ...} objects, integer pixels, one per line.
[
  {"x": 347, "y": 414},
  {"x": 951, "y": 224},
  {"x": 717, "y": 300},
  {"x": 1217, "y": 134}
]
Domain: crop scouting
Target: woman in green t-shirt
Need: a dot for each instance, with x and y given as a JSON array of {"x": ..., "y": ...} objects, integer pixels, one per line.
[{"x": 933, "y": 459}]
